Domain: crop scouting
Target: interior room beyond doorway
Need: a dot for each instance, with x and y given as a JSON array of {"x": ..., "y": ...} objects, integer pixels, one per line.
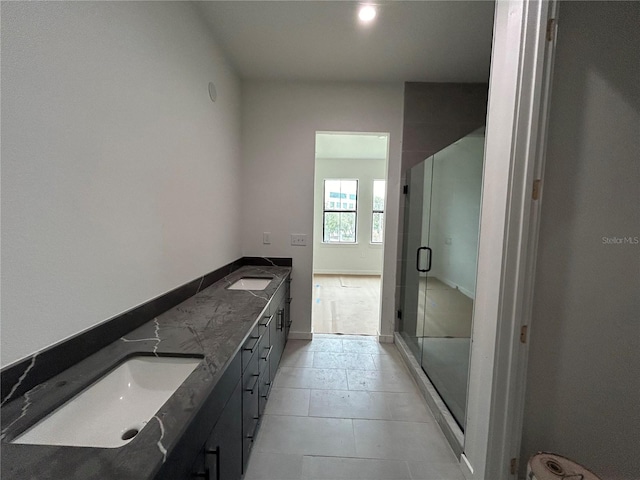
[
  {"x": 348, "y": 304},
  {"x": 348, "y": 243}
]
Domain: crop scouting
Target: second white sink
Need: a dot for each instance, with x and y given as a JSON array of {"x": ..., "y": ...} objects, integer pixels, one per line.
[
  {"x": 114, "y": 409},
  {"x": 250, "y": 283}
]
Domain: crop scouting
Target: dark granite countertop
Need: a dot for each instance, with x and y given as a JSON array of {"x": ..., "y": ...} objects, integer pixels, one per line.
[{"x": 212, "y": 324}]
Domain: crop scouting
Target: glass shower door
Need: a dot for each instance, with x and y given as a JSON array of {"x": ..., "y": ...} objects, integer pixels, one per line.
[
  {"x": 416, "y": 234},
  {"x": 442, "y": 212}
]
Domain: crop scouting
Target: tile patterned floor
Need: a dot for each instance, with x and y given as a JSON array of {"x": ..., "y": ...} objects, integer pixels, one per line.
[{"x": 345, "y": 407}]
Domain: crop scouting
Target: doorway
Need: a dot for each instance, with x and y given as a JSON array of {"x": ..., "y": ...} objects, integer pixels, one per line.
[{"x": 348, "y": 239}]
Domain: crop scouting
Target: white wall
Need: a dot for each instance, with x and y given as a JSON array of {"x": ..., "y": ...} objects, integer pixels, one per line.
[
  {"x": 583, "y": 381},
  {"x": 280, "y": 120},
  {"x": 120, "y": 178},
  {"x": 363, "y": 257},
  {"x": 455, "y": 213}
]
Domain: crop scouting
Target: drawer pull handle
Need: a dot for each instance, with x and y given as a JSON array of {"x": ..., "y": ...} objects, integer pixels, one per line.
[
  {"x": 216, "y": 452},
  {"x": 266, "y": 357},
  {"x": 280, "y": 324},
  {"x": 266, "y": 395},
  {"x": 266, "y": 323},
  {"x": 253, "y": 347},
  {"x": 255, "y": 427},
  {"x": 253, "y": 387}
]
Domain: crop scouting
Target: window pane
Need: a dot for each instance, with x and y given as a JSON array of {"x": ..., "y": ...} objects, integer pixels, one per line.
[
  {"x": 377, "y": 231},
  {"x": 337, "y": 192},
  {"x": 348, "y": 227},
  {"x": 331, "y": 227},
  {"x": 379, "y": 187},
  {"x": 331, "y": 193},
  {"x": 340, "y": 227}
]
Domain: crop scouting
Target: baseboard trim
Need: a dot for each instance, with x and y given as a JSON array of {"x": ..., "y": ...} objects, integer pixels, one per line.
[
  {"x": 462, "y": 290},
  {"x": 300, "y": 336},
  {"x": 385, "y": 338},
  {"x": 450, "y": 429}
]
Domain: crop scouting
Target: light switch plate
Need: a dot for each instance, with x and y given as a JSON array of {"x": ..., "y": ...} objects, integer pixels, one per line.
[
  {"x": 298, "y": 239},
  {"x": 266, "y": 238}
]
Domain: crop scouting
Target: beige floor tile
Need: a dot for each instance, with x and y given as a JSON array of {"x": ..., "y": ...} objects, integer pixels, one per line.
[
  {"x": 407, "y": 407},
  {"x": 348, "y": 404},
  {"x": 274, "y": 466},
  {"x": 392, "y": 361},
  {"x": 401, "y": 441},
  {"x": 434, "y": 471},
  {"x": 332, "y": 468},
  {"x": 318, "y": 378},
  {"x": 380, "y": 381},
  {"x": 306, "y": 436},
  {"x": 297, "y": 355},
  {"x": 353, "y": 361},
  {"x": 288, "y": 401}
]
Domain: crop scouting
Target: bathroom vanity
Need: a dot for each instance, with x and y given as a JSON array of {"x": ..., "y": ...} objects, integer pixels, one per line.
[{"x": 209, "y": 362}]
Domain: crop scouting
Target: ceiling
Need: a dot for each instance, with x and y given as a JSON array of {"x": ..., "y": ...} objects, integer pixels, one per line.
[{"x": 426, "y": 41}]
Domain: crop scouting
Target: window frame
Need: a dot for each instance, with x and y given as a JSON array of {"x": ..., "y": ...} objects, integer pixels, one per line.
[
  {"x": 340, "y": 210},
  {"x": 374, "y": 210}
]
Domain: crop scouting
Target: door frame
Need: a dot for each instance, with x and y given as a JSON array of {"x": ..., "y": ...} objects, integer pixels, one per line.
[
  {"x": 519, "y": 92},
  {"x": 384, "y": 247}
]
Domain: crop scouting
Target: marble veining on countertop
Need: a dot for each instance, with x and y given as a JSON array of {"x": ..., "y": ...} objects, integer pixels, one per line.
[{"x": 213, "y": 324}]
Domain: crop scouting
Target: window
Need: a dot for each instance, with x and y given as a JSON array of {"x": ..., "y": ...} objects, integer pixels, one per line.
[
  {"x": 377, "y": 222},
  {"x": 339, "y": 217}
]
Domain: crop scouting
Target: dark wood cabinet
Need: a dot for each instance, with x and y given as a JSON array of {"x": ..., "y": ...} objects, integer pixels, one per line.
[
  {"x": 223, "y": 450},
  {"x": 217, "y": 445}
]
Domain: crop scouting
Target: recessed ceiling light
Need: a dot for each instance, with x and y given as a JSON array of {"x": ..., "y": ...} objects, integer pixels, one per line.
[{"x": 367, "y": 13}]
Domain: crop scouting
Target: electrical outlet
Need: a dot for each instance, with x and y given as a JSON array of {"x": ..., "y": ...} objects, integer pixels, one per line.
[
  {"x": 298, "y": 239},
  {"x": 266, "y": 238}
]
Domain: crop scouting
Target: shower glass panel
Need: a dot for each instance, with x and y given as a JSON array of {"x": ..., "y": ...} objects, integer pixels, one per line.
[
  {"x": 442, "y": 212},
  {"x": 416, "y": 237}
]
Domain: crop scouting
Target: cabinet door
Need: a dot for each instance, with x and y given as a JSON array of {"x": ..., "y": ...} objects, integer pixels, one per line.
[{"x": 223, "y": 450}]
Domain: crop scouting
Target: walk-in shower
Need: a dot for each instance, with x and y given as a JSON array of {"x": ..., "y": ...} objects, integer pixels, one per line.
[{"x": 440, "y": 252}]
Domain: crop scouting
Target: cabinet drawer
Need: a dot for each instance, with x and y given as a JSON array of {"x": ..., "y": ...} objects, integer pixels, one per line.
[
  {"x": 265, "y": 390},
  {"x": 250, "y": 406},
  {"x": 265, "y": 322},
  {"x": 250, "y": 347},
  {"x": 247, "y": 443},
  {"x": 264, "y": 353}
]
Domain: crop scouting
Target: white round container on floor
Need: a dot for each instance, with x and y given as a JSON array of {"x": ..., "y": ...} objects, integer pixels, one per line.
[{"x": 548, "y": 466}]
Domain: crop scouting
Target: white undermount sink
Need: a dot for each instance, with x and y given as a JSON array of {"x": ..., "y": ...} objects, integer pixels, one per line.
[
  {"x": 111, "y": 411},
  {"x": 250, "y": 283}
]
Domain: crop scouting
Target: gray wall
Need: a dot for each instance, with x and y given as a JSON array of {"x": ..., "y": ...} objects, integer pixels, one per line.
[
  {"x": 583, "y": 384},
  {"x": 117, "y": 170},
  {"x": 280, "y": 121},
  {"x": 435, "y": 116}
]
